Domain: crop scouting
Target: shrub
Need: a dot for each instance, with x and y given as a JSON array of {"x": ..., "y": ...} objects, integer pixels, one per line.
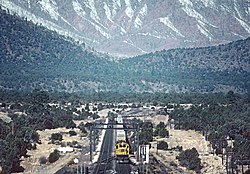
[
  {"x": 42, "y": 160},
  {"x": 56, "y": 136},
  {"x": 72, "y": 133},
  {"x": 190, "y": 159},
  {"x": 161, "y": 130},
  {"x": 162, "y": 145},
  {"x": 54, "y": 156},
  {"x": 81, "y": 126}
]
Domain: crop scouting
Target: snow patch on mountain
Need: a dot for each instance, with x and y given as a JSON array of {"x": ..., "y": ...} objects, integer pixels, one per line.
[
  {"x": 240, "y": 19},
  {"x": 102, "y": 31},
  {"x": 67, "y": 22},
  {"x": 238, "y": 35},
  {"x": 141, "y": 14},
  {"x": 93, "y": 12},
  {"x": 169, "y": 24},
  {"x": 116, "y": 4},
  {"x": 97, "y": 25},
  {"x": 50, "y": 7},
  {"x": 29, "y": 3},
  {"x": 152, "y": 35},
  {"x": 48, "y": 24},
  {"x": 138, "y": 22},
  {"x": 202, "y": 28},
  {"x": 129, "y": 11},
  {"x": 133, "y": 45},
  {"x": 243, "y": 24},
  {"x": 209, "y": 3},
  {"x": 236, "y": 9},
  {"x": 107, "y": 11},
  {"x": 78, "y": 8},
  {"x": 188, "y": 7}
]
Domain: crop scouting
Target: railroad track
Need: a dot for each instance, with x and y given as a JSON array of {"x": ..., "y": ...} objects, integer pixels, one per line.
[
  {"x": 123, "y": 168},
  {"x": 106, "y": 163}
]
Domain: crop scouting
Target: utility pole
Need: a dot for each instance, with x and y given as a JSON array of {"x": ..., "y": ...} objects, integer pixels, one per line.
[
  {"x": 81, "y": 169},
  {"x": 90, "y": 144},
  {"x": 138, "y": 141},
  {"x": 95, "y": 136}
]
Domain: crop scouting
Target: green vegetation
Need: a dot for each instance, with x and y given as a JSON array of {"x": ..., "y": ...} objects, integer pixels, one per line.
[
  {"x": 146, "y": 132},
  {"x": 162, "y": 145},
  {"x": 56, "y": 137},
  {"x": 190, "y": 158},
  {"x": 72, "y": 133},
  {"x": 34, "y": 57},
  {"x": 42, "y": 160},
  {"x": 161, "y": 130},
  {"x": 221, "y": 123},
  {"x": 219, "y": 116},
  {"x": 83, "y": 127},
  {"x": 54, "y": 156},
  {"x": 20, "y": 135}
]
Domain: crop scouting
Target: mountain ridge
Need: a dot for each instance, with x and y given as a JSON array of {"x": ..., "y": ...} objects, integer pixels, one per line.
[{"x": 132, "y": 27}]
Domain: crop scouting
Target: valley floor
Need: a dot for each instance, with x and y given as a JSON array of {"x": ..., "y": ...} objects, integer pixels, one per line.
[{"x": 211, "y": 164}]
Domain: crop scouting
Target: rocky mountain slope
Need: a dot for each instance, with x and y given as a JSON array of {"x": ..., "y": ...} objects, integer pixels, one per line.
[
  {"x": 132, "y": 27},
  {"x": 32, "y": 57}
]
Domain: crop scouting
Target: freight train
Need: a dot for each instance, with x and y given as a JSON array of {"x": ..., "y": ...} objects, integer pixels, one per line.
[{"x": 122, "y": 147}]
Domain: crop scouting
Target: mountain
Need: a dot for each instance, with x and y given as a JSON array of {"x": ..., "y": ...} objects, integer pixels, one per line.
[
  {"x": 211, "y": 69},
  {"x": 33, "y": 57},
  {"x": 133, "y": 27}
]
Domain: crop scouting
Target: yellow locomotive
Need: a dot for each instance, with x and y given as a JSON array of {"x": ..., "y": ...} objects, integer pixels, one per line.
[{"x": 122, "y": 150}]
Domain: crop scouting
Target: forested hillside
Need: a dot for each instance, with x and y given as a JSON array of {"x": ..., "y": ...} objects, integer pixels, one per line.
[
  {"x": 33, "y": 57},
  {"x": 213, "y": 69}
]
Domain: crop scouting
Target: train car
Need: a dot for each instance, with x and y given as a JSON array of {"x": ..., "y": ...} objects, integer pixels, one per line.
[
  {"x": 120, "y": 135},
  {"x": 119, "y": 119},
  {"x": 122, "y": 149}
]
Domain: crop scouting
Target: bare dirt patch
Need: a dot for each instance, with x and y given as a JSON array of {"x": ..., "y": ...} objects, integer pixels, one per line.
[
  {"x": 189, "y": 139},
  {"x": 160, "y": 118},
  {"x": 104, "y": 113},
  {"x": 32, "y": 164},
  {"x": 4, "y": 116},
  {"x": 212, "y": 164}
]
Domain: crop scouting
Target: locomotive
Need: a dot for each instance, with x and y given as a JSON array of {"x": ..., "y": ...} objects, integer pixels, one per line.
[{"x": 122, "y": 151}]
